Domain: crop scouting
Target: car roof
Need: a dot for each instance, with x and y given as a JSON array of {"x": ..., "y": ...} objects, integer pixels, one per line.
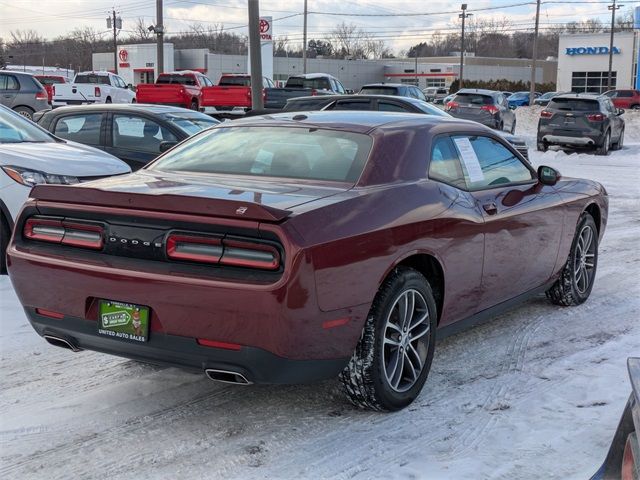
[
  {"x": 481, "y": 91},
  {"x": 354, "y": 96},
  {"x": 312, "y": 75},
  {"x": 122, "y": 107},
  {"x": 15, "y": 72},
  {"x": 583, "y": 96},
  {"x": 354, "y": 121},
  {"x": 386, "y": 85}
]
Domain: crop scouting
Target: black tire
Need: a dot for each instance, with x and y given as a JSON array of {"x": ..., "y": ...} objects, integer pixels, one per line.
[
  {"x": 606, "y": 145},
  {"x": 365, "y": 379},
  {"x": 513, "y": 127},
  {"x": 194, "y": 105},
  {"x": 108, "y": 100},
  {"x": 620, "y": 143},
  {"x": 567, "y": 291},
  {"x": 5, "y": 233},
  {"x": 542, "y": 147},
  {"x": 25, "y": 112},
  {"x": 635, "y": 107},
  {"x": 133, "y": 100},
  {"x": 501, "y": 127}
]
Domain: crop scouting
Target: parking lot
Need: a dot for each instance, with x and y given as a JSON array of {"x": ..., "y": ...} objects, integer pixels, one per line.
[{"x": 535, "y": 393}]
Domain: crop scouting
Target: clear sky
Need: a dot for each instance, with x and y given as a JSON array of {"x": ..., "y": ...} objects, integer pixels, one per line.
[{"x": 393, "y": 21}]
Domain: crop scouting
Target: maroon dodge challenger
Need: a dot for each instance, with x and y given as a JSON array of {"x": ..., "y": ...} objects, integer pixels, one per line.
[{"x": 298, "y": 247}]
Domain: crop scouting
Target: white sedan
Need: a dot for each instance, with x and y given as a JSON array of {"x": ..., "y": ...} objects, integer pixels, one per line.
[{"x": 30, "y": 155}]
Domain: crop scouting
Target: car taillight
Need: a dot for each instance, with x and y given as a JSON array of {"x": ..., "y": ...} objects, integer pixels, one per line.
[
  {"x": 546, "y": 114},
  {"x": 223, "y": 251},
  {"x": 314, "y": 92},
  {"x": 64, "y": 233},
  {"x": 492, "y": 109},
  {"x": 451, "y": 105},
  {"x": 628, "y": 468},
  {"x": 96, "y": 92},
  {"x": 42, "y": 95},
  {"x": 595, "y": 117},
  {"x": 249, "y": 94},
  {"x": 194, "y": 249}
]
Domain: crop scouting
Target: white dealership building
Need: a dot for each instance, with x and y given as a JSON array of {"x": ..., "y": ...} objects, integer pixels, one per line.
[{"x": 583, "y": 62}]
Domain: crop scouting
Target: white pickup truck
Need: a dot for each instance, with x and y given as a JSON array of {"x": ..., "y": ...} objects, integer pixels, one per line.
[{"x": 92, "y": 87}]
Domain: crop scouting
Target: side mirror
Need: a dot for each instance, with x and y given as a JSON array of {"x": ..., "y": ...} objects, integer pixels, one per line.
[
  {"x": 619, "y": 111},
  {"x": 349, "y": 91},
  {"x": 548, "y": 175},
  {"x": 164, "y": 146}
]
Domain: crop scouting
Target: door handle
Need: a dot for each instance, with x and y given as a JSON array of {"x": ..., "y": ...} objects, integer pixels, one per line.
[{"x": 490, "y": 208}]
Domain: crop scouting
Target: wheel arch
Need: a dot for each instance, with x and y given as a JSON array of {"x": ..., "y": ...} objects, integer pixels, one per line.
[
  {"x": 23, "y": 106},
  {"x": 428, "y": 265},
  {"x": 594, "y": 210}
]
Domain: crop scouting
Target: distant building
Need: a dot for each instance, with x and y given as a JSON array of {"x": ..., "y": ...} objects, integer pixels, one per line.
[
  {"x": 583, "y": 62},
  {"x": 140, "y": 67},
  {"x": 42, "y": 70}
]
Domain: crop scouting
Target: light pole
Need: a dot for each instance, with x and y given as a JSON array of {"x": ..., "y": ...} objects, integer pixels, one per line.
[
  {"x": 613, "y": 9},
  {"x": 304, "y": 40},
  {"x": 463, "y": 16}
]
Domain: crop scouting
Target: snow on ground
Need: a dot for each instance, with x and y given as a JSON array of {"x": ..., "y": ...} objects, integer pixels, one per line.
[{"x": 536, "y": 393}]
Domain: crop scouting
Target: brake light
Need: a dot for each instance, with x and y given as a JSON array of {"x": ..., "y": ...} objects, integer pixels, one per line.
[
  {"x": 492, "y": 109},
  {"x": 42, "y": 95},
  {"x": 49, "y": 313},
  {"x": 96, "y": 92},
  {"x": 595, "y": 117},
  {"x": 249, "y": 94},
  {"x": 215, "y": 344},
  {"x": 546, "y": 114},
  {"x": 223, "y": 251},
  {"x": 314, "y": 92},
  {"x": 64, "y": 233},
  {"x": 194, "y": 249},
  {"x": 451, "y": 105},
  {"x": 627, "y": 470}
]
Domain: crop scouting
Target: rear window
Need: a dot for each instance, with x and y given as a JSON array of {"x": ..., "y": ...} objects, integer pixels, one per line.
[
  {"x": 574, "y": 104},
  {"x": 50, "y": 80},
  {"x": 235, "y": 82},
  {"x": 291, "y": 152},
  {"x": 97, "y": 79},
  {"x": 379, "y": 90},
  {"x": 313, "y": 103},
  {"x": 473, "y": 99},
  {"x": 177, "y": 79},
  {"x": 317, "y": 83}
]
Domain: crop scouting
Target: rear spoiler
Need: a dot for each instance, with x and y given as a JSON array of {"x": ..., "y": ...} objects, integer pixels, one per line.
[{"x": 211, "y": 207}]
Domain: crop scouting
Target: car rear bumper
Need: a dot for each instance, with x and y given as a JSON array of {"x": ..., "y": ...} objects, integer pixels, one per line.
[
  {"x": 225, "y": 110},
  {"x": 254, "y": 364},
  {"x": 567, "y": 140}
]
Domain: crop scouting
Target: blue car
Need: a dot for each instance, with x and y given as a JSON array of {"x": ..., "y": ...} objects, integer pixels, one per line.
[{"x": 520, "y": 99}]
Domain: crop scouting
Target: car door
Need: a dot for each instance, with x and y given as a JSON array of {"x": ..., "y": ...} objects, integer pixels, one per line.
[
  {"x": 135, "y": 139},
  {"x": 83, "y": 127},
  {"x": 523, "y": 218},
  {"x": 612, "y": 113},
  {"x": 459, "y": 231},
  {"x": 9, "y": 89}
]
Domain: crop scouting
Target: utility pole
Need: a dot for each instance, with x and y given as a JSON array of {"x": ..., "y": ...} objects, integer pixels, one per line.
[
  {"x": 463, "y": 16},
  {"x": 304, "y": 40},
  {"x": 255, "y": 55},
  {"x": 115, "y": 23},
  {"x": 532, "y": 87},
  {"x": 159, "y": 30},
  {"x": 613, "y": 9}
]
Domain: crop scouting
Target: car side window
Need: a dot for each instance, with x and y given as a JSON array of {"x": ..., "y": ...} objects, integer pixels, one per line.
[
  {"x": 486, "y": 163},
  {"x": 82, "y": 128},
  {"x": 444, "y": 165},
  {"x": 352, "y": 105},
  {"x": 138, "y": 133},
  {"x": 120, "y": 82},
  {"x": 339, "y": 87},
  {"x": 385, "y": 106},
  {"x": 419, "y": 95},
  {"x": 9, "y": 82}
]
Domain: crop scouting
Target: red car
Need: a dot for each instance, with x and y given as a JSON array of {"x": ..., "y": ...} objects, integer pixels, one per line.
[
  {"x": 48, "y": 81},
  {"x": 178, "y": 89},
  {"x": 626, "y": 99},
  {"x": 298, "y": 247}
]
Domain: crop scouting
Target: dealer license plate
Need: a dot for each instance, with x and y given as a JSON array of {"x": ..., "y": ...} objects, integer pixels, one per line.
[{"x": 123, "y": 321}]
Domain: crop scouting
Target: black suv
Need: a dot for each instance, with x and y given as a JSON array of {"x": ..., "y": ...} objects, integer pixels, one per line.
[
  {"x": 581, "y": 120},
  {"x": 483, "y": 106}
]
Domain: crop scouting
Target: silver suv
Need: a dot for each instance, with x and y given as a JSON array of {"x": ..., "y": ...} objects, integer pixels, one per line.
[{"x": 22, "y": 93}]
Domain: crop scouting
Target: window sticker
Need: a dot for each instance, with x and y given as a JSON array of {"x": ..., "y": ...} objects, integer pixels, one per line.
[{"x": 469, "y": 158}]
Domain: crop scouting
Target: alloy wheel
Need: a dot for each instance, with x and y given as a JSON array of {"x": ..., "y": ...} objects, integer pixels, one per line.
[
  {"x": 406, "y": 340},
  {"x": 584, "y": 259}
]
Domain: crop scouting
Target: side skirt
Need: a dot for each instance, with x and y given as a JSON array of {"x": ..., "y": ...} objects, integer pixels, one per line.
[{"x": 490, "y": 313}]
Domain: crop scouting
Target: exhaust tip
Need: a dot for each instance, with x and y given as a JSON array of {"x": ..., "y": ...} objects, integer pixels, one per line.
[
  {"x": 61, "y": 342},
  {"x": 226, "y": 376}
]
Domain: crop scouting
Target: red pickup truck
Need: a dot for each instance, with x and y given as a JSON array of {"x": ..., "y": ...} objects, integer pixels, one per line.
[
  {"x": 180, "y": 89},
  {"x": 232, "y": 95},
  {"x": 48, "y": 81}
]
